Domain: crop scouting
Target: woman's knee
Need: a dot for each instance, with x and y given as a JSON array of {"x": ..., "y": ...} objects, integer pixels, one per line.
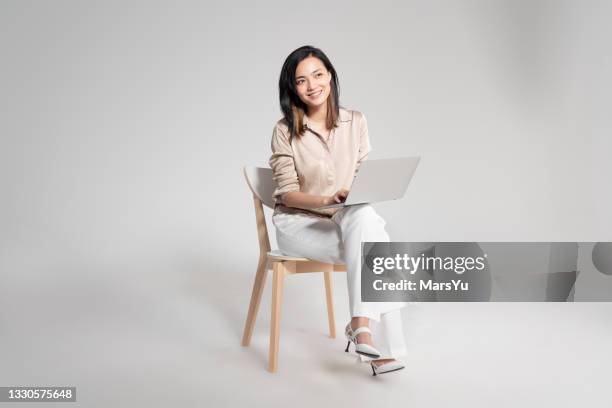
[
  {"x": 362, "y": 212},
  {"x": 363, "y": 219}
]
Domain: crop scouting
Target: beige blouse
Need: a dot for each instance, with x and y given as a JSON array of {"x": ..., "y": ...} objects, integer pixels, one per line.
[{"x": 312, "y": 165}]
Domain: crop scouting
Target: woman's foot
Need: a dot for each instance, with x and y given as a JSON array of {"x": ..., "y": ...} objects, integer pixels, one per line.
[
  {"x": 358, "y": 333},
  {"x": 366, "y": 338},
  {"x": 382, "y": 361},
  {"x": 383, "y": 366}
]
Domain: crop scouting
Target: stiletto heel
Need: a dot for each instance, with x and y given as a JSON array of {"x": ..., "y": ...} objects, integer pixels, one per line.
[
  {"x": 373, "y": 371},
  {"x": 347, "y": 346}
]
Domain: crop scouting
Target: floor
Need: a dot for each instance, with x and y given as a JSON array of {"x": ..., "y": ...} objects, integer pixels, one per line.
[{"x": 129, "y": 337}]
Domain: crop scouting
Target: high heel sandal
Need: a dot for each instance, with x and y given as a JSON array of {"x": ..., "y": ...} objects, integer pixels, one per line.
[
  {"x": 386, "y": 368},
  {"x": 360, "y": 348}
]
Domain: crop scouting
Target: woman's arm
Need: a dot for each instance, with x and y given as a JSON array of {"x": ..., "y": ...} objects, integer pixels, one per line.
[{"x": 305, "y": 201}]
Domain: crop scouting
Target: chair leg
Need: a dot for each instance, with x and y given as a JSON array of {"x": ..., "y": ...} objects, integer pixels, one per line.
[
  {"x": 330, "y": 303},
  {"x": 258, "y": 286},
  {"x": 277, "y": 298}
]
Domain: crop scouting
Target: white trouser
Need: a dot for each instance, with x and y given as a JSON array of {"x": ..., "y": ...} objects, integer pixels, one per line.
[{"x": 338, "y": 240}]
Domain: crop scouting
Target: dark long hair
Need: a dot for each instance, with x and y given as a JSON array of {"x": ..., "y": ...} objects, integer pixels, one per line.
[{"x": 291, "y": 105}]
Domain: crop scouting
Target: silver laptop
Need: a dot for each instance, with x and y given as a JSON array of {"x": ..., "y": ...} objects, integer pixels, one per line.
[{"x": 380, "y": 180}]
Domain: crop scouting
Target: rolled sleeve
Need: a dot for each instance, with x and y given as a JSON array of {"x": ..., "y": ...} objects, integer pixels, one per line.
[
  {"x": 282, "y": 164},
  {"x": 364, "y": 141}
]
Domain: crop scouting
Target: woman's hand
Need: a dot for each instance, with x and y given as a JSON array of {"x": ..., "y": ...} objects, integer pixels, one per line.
[{"x": 338, "y": 197}]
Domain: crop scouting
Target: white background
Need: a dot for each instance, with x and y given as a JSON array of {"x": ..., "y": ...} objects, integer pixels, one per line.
[{"x": 127, "y": 233}]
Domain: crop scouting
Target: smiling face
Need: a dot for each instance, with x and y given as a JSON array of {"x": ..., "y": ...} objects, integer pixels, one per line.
[{"x": 312, "y": 82}]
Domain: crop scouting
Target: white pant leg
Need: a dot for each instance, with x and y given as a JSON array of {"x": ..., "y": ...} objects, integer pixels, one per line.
[
  {"x": 321, "y": 239},
  {"x": 361, "y": 223}
]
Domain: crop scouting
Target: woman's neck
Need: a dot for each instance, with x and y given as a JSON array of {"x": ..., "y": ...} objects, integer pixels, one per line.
[{"x": 318, "y": 114}]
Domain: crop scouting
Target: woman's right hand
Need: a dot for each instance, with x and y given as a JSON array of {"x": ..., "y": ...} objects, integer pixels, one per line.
[{"x": 337, "y": 198}]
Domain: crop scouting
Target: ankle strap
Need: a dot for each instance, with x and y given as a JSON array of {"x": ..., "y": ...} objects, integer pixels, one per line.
[{"x": 362, "y": 329}]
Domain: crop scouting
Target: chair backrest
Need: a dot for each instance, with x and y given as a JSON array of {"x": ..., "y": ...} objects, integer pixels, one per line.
[{"x": 261, "y": 183}]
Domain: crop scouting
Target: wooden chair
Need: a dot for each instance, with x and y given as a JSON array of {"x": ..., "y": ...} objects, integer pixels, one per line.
[{"x": 262, "y": 185}]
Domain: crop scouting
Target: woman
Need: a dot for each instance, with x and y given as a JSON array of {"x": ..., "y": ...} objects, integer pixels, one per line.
[{"x": 317, "y": 148}]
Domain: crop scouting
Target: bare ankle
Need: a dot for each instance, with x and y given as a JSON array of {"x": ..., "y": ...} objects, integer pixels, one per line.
[{"x": 359, "y": 321}]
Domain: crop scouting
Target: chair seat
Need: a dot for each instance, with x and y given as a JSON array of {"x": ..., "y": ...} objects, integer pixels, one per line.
[{"x": 276, "y": 254}]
